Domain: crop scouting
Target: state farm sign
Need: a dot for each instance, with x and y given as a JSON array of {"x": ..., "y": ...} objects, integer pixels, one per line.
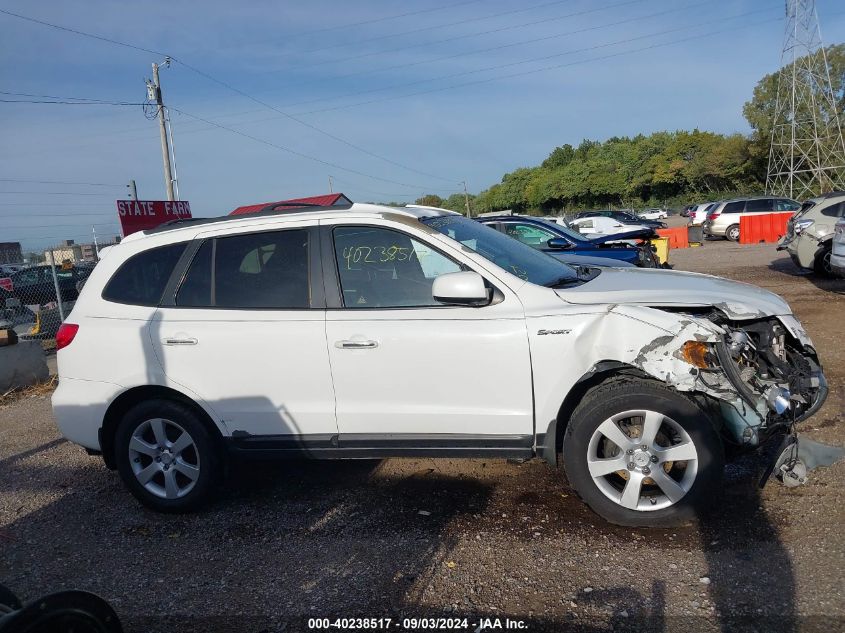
[{"x": 139, "y": 215}]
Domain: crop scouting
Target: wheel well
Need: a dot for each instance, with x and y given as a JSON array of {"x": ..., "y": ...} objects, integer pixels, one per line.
[
  {"x": 602, "y": 372},
  {"x": 128, "y": 399}
]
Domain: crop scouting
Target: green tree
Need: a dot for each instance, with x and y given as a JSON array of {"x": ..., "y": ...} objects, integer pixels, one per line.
[{"x": 430, "y": 200}]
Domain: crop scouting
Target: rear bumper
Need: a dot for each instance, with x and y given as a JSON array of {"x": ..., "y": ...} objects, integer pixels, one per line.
[{"x": 79, "y": 407}]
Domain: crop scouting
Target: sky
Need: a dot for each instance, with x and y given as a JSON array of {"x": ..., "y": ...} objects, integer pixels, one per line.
[{"x": 392, "y": 100}]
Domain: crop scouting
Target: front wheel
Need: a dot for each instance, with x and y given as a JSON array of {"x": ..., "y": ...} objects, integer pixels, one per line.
[
  {"x": 640, "y": 454},
  {"x": 166, "y": 456},
  {"x": 821, "y": 265}
]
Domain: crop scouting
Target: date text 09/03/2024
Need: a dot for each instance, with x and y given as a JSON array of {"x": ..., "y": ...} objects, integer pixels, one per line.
[{"x": 417, "y": 624}]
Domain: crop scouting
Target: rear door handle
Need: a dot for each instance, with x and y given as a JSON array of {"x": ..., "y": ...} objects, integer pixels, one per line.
[
  {"x": 180, "y": 341},
  {"x": 349, "y": 344}
]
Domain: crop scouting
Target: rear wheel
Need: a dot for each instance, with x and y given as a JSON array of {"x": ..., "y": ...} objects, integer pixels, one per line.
[
  {"x": 166, "y": 456},
  {"x": 821, "y": 265},
  {"x": 733, "y": 233},
  {"x": 640, "y": 454}
]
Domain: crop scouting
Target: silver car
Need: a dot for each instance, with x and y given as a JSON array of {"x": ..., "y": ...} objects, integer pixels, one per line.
[
  {"x": 837, "y": 255},
  {"x": 723, "y": 219},
  {"x": 810, "y": 232}
]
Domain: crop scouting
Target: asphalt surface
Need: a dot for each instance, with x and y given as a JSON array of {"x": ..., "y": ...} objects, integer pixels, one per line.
[{"x": 453, "y": 538}]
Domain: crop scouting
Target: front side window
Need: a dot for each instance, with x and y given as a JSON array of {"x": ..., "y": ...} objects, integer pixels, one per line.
[
  {"x": 382, "y": 268},
  {"x": 255, "y": 271},
  {"x": 787, "y": 205},
  {"x": 142, "y": 278},
  {"x": 533, "y": 236}
]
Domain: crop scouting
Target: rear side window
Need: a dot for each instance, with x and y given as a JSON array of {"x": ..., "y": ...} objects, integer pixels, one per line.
[
  {"x": 142, "y": 278},
  {"x": 734, "y": 207},
  {"x": 764, "y": 205},
  {"x": 259, "y": 271},
  {"x": 834, "y": 210},
  {"x": 788, "y": 205}
]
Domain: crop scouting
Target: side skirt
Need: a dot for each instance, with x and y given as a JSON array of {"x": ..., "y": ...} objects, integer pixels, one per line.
[{"x": 351, "y": 446}]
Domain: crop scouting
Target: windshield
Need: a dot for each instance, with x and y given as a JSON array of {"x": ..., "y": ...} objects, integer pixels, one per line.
[{"x": 515, "y": 257}]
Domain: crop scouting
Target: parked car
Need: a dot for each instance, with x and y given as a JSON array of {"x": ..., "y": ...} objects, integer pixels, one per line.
[
  {"x": 698, "y": 214},
  {"x": 723, "y": 219},
  {"x": 624, "y": 217},
  {"x": 687, "y": 210},
  {"x": 809, "y": 233},
  {"x": 10, "y": 269},
  {"x": 600, "y": 225},
  {"x": 653, "y": 214},
  {"x": 562, "y": 242},
  {"x": 355, "y": 332},
  {"x": 35, "y": 286},
  {"x": 837, "y": 255}
]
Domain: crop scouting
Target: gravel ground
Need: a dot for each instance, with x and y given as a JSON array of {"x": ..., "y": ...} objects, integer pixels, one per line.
[{"x": 404, "y": 537}]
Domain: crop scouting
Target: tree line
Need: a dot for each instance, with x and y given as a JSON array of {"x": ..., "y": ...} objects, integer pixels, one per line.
[{"x": 659, "y": 169}]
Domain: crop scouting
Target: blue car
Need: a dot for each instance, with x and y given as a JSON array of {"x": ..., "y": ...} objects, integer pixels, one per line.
[{"x": 564, "y": 243}]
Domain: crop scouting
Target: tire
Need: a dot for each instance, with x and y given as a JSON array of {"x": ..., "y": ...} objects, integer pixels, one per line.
[
  {"x": 732, "y": 233},
  {"x": 676, "y": 420},
  {"x": 166, "y": 456},
  {"x": 821, "y": 264}
]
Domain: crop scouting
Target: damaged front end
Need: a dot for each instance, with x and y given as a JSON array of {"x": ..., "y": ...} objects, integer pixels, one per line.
[
  {"x": 774, "y": 372},
  {"x": 774, "y": 376}
]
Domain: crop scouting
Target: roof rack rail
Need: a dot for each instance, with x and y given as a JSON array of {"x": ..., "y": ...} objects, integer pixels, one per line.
[{"x": 270, "y": 210}]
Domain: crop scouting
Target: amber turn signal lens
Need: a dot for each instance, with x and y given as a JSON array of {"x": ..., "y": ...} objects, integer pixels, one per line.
[{"x": 695, "y": 353}]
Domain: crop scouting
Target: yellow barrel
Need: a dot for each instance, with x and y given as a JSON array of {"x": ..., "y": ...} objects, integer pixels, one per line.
[{"x": 661, "y": 249}]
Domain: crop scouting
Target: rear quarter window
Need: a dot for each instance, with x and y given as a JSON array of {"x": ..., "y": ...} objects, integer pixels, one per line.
[{"x": 141, "y": 279}]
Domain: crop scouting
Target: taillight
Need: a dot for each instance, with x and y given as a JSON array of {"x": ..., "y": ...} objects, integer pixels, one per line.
[
  {"x": 713, "y": 215},
  {"x": 65, "y": 335}
]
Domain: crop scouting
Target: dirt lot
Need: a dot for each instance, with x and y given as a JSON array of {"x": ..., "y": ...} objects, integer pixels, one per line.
[{"x": 480, "y": 538}]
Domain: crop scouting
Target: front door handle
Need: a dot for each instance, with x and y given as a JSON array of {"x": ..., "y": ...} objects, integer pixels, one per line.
[
  {"x": 355, "y": 344},
  {"x": 180, "y": 341}
]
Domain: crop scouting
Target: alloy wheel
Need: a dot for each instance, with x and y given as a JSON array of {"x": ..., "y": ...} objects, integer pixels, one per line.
[
  {"x": 642, "y": 460},
  {"x": 164, "y": 458}
]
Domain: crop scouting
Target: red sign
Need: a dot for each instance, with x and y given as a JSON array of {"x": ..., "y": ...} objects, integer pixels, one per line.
[{"x": 139, "y": 215}]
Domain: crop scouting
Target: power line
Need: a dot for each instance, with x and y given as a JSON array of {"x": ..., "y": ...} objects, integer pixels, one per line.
[
  {"x": 423, "y": 29},
  {"x": 465, "y": 37},
  {"x": 503, "y": 46},
  {"x": 61, "y": 193},
  {"x": 221, "y": 83},
  {"x": 383, "y": 19},
  {"x": 545, "y": 68},
  {"x": 61, "y": 182},
  {"x": 86, "y": 103},
  {"x": 306, "y": 156}
]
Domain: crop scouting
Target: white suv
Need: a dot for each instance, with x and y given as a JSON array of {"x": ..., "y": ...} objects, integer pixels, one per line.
[{"x": 368, "y": 331}]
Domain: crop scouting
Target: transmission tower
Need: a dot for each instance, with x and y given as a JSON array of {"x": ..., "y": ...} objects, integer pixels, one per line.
[{"x": 807, "y": 154}]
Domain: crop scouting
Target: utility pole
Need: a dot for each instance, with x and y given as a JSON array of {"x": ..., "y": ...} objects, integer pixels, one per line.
[
  {"x": 154, "y": 93},
  {"x": 466, "y": 198},
  {"x": 330, "y": 185},
  {"x": 133, "y": 191},
  {"x": 96, "y": 246}
]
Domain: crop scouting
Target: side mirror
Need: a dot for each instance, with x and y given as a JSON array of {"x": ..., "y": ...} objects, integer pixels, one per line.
[
  {"x": 464, "y": 288},
  {"x": 559, "y": 243}
]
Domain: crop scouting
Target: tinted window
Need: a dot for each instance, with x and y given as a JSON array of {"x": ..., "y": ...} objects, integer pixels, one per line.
[
  {"x": 260, "y": 270},
  {"x": 142, "y": 278},
  {"x": 734, "y": 207},
  {"x": 787, "y": 205},
  {"x": 834, "y": 210},
  {"x": 380, "y": 268},
  {"x": 764, "y": 205},
  {"x": 529, "y": 234}
]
